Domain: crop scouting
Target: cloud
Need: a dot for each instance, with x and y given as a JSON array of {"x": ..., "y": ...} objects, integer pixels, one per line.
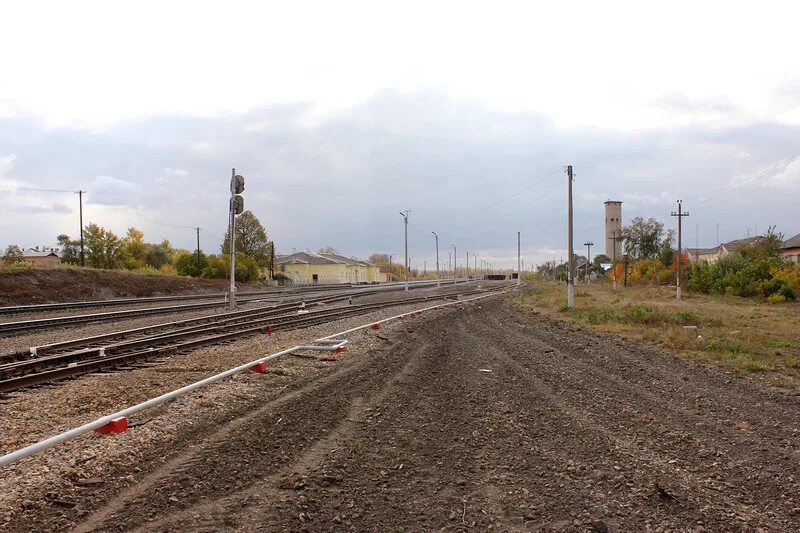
[
  {"x": 473, "y": 174},
  {"x": 6, "y": 164},
  {"x": 108, "y": 190},
  {"x": 681, "y": 103},
  {"x": 789, "y": 177}
]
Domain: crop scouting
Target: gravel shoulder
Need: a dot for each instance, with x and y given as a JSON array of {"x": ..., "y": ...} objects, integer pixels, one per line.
[{"x": 466, "y": 419}]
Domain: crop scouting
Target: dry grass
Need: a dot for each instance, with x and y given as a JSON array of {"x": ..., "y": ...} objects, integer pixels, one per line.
[{"x": 745, "y": 335}]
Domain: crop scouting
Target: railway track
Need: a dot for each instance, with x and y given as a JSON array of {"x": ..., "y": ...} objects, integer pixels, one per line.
[
  {"x": 73, "y": 358},
  {"x": 220, "y": 297},
  {"x": 24, "y": 326}
]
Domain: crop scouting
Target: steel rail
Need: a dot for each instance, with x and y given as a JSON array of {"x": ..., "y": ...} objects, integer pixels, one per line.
[
  {"x": 41, "y": 323},
  {"x": 36, "y": 351},
  {"x": 102, "y": 421},
  {"x": 82, "y": 362}
]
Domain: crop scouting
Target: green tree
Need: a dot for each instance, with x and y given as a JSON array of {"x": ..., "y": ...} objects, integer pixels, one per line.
[
  {"x": 666, "y": 253},
  {"x": 767, "y": 246},
  {"x": 103, "y": 247},
  {"x": 251, "y": 240},
  {"x": 380, "y": 260},
  {"x": 217, "y": 266},
  {"x": 70, "y": 250},
  {"x": 134, "y": 249},
  {"x": 13, "y": 255},
  {"x": 158, "y": 255},
  {"x": 187, "y": 264},
  {"x": 598, "y": 260},
  {"x": 643, "y": 238}
]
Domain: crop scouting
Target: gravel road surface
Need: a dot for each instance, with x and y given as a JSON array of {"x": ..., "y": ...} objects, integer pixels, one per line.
[{"x": 472, "y": 419}]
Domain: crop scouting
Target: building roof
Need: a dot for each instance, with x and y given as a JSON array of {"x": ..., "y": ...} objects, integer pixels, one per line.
[
  {"x": 792, "y": 242},
  {"x": 31, "y": 252},
  {"x": 732, "y": 246},
  {"x": 701, "y": 251},
  {"x": 311, "y": 258}
]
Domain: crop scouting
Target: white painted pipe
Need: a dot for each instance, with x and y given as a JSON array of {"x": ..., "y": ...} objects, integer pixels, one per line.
[{"x": 72, "y": 433}]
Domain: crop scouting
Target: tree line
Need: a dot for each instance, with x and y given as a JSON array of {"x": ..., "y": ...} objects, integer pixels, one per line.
[
  {"x": 650, "y": 257},
  {"x": 105, "y": 249}
]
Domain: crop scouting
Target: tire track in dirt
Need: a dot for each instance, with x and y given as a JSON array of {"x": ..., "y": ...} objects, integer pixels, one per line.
[{"x": 474, "y": 422}]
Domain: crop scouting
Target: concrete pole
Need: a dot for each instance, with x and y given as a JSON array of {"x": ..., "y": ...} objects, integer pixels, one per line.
[
  {"x": 438, "y": 276},
  {"x": 455, "y": 265},
  {"x": 519, "y": 262},
  {"x": 680, "y": 214},
  {"x": 571, "y": 263},
  {"x": 405, "y": 219}
]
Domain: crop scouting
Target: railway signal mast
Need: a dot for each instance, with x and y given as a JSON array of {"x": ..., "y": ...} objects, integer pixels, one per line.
[{"x": 236, "y": 208}]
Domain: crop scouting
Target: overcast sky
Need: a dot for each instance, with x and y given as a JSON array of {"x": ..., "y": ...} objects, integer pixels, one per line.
[{"x": 341, "y": 114}]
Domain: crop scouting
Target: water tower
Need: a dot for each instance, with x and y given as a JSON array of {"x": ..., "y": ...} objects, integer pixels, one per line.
[{"x": 613, "y": 228}]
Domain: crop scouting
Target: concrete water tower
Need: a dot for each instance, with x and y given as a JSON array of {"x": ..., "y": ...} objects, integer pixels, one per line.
[{"x": 613, "y": 228}]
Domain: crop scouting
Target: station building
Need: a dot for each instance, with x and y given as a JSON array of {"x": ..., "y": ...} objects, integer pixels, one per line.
[{"x": 309, "y": 268}]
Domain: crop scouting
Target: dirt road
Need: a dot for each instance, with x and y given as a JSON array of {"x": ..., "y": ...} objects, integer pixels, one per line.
[{"x": 472, "y": 420}]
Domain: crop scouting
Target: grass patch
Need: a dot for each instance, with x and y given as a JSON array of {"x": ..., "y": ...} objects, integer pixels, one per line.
[
  {"x": 741, "y": 334},
  {"x": 776, "y": 343}
]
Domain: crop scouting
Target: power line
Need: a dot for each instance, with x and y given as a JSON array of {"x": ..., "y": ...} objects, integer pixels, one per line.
[{"x": 33, "y": 189}]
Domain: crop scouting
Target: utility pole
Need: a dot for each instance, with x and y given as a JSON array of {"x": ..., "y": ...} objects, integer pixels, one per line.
[
  {"x": 455, "y": 265},
  {"x": 466, "y": 264},
  {"x": 272, "y": 261},
  {"x": 404, "y": 214},
  {"x": 438, "y": 276},
  {"x": 680, "y": 214},
  {"x": 571, "y": 264},
  {"x": 588, "y": 245},
  {"x": 519, "y": 261},
  {"x": 80, "y": 210},
  {"x": 198, "y": 251}
]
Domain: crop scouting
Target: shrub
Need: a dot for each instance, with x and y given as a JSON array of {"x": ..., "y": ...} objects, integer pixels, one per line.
[
  {"x": 187, "y": 264},
  {"x": 686, "y": 317},
  {"x": 776, "y": 299},
  {"x": 641, "y": 314},
  {"x": 743, "y": 275}
]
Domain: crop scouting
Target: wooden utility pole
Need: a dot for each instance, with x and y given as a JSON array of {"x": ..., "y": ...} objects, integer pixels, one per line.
[
  {"x": 680, "y": 214},
  {"x": 80, "y": 210},
  {"x": 570, "y": 259},
  {"x": 198, "y": 251},
  {"x": 588, "y": 258}
]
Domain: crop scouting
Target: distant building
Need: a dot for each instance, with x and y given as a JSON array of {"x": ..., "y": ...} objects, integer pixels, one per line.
[
  {"x": 718, "y": 252},
  {"x": 42, "y": 256},
  {"x": 790, "y": 249},
  {"x": 613, "y": 229},
  {"x": 313, "y": 268}
]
